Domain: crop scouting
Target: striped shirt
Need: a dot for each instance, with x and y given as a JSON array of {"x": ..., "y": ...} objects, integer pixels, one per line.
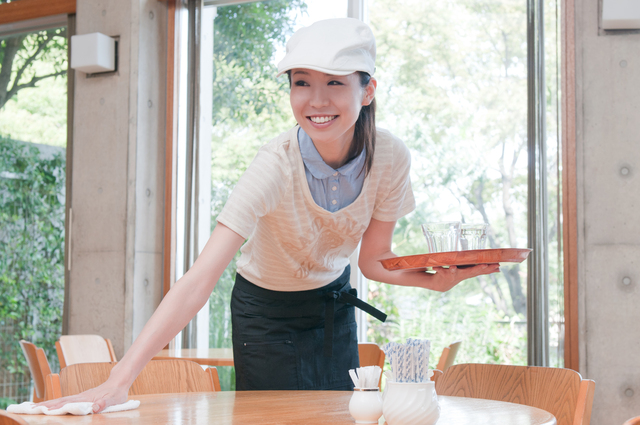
[{"x": 293, "y": 243}]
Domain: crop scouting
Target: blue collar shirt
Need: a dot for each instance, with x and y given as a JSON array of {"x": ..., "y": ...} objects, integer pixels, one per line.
[{"x": 331, "y": 189}]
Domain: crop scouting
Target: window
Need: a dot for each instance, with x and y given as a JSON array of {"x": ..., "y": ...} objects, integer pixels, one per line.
[{"x": 33, "y": 141}]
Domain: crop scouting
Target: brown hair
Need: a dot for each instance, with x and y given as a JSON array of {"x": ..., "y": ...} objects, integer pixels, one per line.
[{"x": 364, "y": 135}]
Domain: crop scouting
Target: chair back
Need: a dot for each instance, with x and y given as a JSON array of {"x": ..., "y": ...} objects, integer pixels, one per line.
[
  {"x": 561, "y": 392},
  {"x": 157, "y": 377},
  {"x": 7, "y": 418},
  {"x": 448, "y": 356},
  {"x": 74, "y": 349},
  {"x": 371, "y": 355},
  {"x": 633, "y": 421},
  {"x": 39, "y": 368},
  {"x": 436, "y": 375}
]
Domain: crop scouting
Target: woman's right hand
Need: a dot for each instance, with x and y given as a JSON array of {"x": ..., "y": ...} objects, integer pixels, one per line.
[{"x": 102, "y": 396}]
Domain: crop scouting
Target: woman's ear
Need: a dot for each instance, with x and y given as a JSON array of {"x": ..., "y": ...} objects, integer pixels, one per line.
[{"x": 369, "y": 92}]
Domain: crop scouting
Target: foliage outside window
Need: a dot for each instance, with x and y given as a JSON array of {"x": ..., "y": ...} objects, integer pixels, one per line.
[
  {"x": 32, "y": 203},
  {"x": 32, "y": 200}
]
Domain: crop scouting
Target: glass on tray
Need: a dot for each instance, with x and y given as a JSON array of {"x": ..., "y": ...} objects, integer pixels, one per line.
[
  {"x": 473, "y": 236},
  {"x": 442, "y": 236},
  {"x": 455, "y": 236}
]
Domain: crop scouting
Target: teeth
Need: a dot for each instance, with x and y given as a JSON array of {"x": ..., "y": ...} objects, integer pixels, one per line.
[{"x": 322, "y": 120}]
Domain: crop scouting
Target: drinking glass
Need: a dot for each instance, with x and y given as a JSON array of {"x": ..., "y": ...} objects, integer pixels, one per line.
[
  {"x": 473, "y": 236},
  {"x": 442, "y": 237}
]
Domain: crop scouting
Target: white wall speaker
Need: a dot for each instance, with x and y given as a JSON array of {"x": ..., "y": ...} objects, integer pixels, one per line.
[
  {"x": 93, "y": 53},
  {"x": 620, "y": 14}
]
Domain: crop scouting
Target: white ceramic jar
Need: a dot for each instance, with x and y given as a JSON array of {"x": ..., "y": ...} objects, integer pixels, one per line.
[
  {"x": 410, "y": 403},
  {"x": 366, "y": 405}
]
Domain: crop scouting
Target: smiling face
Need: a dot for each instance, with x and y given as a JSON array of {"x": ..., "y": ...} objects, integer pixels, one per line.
[{"x": 327, "y": 107}]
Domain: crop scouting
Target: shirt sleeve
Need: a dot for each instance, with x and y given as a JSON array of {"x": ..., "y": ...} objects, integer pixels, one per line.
[
  {"x": 258, "y": 192},
  {"x": 399, "y": 200}
]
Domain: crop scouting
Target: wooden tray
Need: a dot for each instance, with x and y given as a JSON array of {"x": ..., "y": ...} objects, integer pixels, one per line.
[{"x": 471, "y": 257}]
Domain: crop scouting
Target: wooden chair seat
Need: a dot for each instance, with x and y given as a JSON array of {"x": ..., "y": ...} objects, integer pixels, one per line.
[
  {"x": 157, "y": 377},
  {"x": 561, "y": 392}
]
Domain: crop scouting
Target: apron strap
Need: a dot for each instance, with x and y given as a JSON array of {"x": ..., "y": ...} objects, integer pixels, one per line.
[{"x": 345, "y": 297}]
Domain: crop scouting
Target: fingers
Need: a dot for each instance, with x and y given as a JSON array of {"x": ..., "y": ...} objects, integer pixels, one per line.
[
  {"x": 58, "y": 402},
  {"x": 100, "y": 400},
  {"x": 470, "y": 271},
  {"x": 99, "y": 405}
]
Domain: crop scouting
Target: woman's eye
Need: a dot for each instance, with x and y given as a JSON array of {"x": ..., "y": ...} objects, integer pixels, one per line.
[
  {"x": 300, "y": 83},
  {"x": 335, "y": 83}
]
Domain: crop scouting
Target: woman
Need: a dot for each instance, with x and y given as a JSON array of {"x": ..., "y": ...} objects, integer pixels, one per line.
[{"x": 308, "y": 199}]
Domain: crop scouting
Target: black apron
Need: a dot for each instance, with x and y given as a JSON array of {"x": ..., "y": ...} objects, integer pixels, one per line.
[{"x": 281, "y": 340}]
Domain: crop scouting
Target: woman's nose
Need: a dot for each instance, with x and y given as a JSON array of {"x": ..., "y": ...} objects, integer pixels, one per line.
[{"x": 319, "y": 98}]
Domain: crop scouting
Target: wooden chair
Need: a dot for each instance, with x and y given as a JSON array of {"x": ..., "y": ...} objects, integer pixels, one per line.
[
  {"x": 74, "y": 349},
  {"x": 436, "y": 375},
  {"x": 157, "y": 377},
  {"x": 7, "y": 418},
  {"x": 561, "y": 392},
  {"x": 448, "y": 356},
  {"x": 633, "y": 421},
  {"x": 371, "y": 355},
  {"x": 39, "y": 368}
]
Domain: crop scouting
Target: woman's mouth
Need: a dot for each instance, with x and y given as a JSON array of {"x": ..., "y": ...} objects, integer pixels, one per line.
[{"x": 323, "y": 119}]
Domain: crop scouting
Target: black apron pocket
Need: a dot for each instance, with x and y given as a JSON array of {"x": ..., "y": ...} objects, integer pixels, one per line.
[{"x": 264, "y": 354}]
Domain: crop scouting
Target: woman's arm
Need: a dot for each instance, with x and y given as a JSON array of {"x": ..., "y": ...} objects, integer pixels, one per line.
[
  {"x": 376, "y": 245},
  {"x": 178, "y": 307}
]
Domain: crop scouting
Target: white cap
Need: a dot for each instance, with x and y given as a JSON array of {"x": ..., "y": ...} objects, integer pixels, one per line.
[{"x": 334, "y": 46}]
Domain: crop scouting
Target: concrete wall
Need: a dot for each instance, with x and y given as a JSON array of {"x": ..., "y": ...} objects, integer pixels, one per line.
[
  {"x": 118, "y": 158},
  {"x": 608, "y": 143}
]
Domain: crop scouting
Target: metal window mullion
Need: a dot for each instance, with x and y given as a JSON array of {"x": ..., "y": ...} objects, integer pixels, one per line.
[
  {"x": 538, "y": 265},
  {"x": 357, "y": 9},
  {"x": 71, "y": 30},
  {"x": 189, "y": 334}
]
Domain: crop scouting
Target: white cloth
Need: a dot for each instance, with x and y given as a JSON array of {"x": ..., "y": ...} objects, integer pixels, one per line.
[
  {"x": 78, "y": 409},
  {"x": 294, "y": 244}
]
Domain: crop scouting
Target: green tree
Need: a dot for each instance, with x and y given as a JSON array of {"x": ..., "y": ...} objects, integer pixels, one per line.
[
  {"x": 19, "y": 54},
  {"x": 246, "y": 37}
]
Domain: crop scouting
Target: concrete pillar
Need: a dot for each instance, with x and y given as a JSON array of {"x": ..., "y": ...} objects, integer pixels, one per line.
[
  {"x": 115, "y": 279},
  {"x": 608, "y": 148}
]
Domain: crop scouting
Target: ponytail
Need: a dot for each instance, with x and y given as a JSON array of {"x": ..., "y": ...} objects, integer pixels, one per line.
[{"x": 364, "y": 136}]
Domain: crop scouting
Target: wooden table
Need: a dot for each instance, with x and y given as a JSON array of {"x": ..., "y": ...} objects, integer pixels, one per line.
[
  {"x": 289, "y": 408},
  {"x": 203, "y": 356}
]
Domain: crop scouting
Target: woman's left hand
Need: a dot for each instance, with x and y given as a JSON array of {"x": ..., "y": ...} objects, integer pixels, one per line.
[{"x": 446, "y": 278}]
